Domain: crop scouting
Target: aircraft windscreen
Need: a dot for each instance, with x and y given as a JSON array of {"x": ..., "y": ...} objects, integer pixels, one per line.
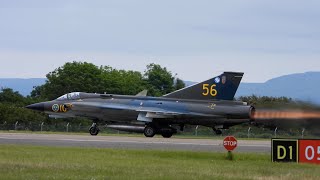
[{"x": 70, "y": 96}]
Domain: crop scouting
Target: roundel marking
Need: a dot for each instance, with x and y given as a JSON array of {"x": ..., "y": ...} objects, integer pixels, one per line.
[
  {"x": 217, "y": 80},
  {"x": 55, "y": 108}
]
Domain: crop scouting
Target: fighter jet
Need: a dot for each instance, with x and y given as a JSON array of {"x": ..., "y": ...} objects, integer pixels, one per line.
[{"x": 209, "y": 103}]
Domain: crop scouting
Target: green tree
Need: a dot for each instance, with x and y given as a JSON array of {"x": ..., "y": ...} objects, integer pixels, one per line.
[
  {"x": 121, "y": 81},
  {"x": 179, "y": 84},
  {"x": 86, "y": 77},
  {"x": 8, "y": 96},
  {"x": 71, "y": 77},
  {"x": 12, "y": 108},
  {"x": 37, "y": 92},
  {"x": 159, "y": 80},
  {"x": 11, "y": 114}
]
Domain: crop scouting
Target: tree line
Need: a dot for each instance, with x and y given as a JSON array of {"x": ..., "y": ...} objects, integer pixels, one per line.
[{"x": 87, "y": 77}]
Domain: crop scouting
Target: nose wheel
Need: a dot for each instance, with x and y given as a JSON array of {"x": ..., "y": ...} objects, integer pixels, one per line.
[{"x": 94, "y": 130}]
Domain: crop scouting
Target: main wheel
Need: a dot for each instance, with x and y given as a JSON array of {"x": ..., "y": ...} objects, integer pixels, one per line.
[
  {"x": 94, "y": 130},
  {"x": 149, "y": 131},
  {"x": 167, "y": 134},
  {"x": 218, "y": 132}
]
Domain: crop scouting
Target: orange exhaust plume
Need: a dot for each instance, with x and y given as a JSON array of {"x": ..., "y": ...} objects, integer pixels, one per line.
[{"x": 286, "y": 115}]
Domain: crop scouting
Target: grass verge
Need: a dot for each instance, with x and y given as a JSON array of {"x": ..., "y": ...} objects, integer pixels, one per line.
[{"x": 34, "y": 162}]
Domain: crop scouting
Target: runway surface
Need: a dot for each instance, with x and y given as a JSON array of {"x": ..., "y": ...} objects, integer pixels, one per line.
[{"x": 122, "y": 142}]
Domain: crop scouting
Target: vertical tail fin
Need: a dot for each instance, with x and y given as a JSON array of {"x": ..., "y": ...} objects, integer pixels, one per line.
[{"x": 223, "y": 87}]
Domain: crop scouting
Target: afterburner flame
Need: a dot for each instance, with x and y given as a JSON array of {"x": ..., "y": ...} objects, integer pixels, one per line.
[{"x": 286, "y": 115}]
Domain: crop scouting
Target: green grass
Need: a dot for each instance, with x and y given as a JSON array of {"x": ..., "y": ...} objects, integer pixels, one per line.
[{"x": 33, "y": 162}]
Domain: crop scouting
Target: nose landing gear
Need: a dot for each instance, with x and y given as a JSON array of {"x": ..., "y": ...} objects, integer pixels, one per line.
[{"x": 94, "y": 130}]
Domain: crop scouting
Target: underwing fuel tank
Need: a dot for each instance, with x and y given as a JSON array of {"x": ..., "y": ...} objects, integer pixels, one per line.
[
  {"x": 127, "y": 128},
  {"x": 56, "y": 116}
]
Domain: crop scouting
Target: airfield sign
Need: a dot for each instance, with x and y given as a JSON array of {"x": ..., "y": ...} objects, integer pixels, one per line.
[
  {"x": 230, "y": 143},
  {"x": 296, "y": 150}
]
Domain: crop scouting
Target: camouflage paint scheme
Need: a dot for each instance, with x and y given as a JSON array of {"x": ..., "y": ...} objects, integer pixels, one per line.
[{"x": 209, "y": 103}]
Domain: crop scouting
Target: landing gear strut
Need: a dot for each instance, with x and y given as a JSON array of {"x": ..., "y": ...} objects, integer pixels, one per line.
[
  {"x": 94, "y": 130},
  {"x": 217, "y": 131},
  {"x": 165, "y": 130}
]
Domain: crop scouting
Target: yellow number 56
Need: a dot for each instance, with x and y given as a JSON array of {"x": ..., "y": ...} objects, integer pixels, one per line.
[{"x": 212, "y": 91}]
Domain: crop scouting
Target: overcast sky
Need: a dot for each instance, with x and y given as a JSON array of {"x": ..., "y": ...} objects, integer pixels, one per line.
[{"x": 196, "y": 39}]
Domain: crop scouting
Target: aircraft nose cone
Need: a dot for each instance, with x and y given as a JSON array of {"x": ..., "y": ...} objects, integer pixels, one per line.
[{"x": 36, "y": 107}]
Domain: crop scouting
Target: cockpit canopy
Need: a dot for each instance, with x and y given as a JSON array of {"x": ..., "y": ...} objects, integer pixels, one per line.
[{"x": 70, "y": 96}]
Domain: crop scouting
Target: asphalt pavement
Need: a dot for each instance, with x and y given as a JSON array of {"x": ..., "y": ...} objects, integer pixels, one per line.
[{"x": 122, "y": 142}]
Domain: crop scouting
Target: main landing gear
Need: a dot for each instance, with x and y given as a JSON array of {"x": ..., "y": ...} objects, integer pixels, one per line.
[
  {"x": 149, "y": 131},
  {"x": 167, "y": 134},
  {"x": 94, "y": 130},
  {"x": 166, "y": 131},
  {"x": 217, "y": 131}
]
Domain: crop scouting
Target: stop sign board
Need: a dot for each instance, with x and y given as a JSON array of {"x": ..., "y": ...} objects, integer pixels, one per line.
[{"x": 230, "y": 143}]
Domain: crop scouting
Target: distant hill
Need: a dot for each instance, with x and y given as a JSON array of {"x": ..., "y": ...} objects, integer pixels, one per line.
[
  {"x": 24, "y": 86},
  {"x": 302, "y": 86},
  {"x": 189, "y": 83}
]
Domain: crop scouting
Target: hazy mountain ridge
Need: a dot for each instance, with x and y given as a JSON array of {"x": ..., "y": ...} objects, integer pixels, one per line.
[
  {"x": 24, "y": 86},
  {"x": 301, "y": 86}
]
